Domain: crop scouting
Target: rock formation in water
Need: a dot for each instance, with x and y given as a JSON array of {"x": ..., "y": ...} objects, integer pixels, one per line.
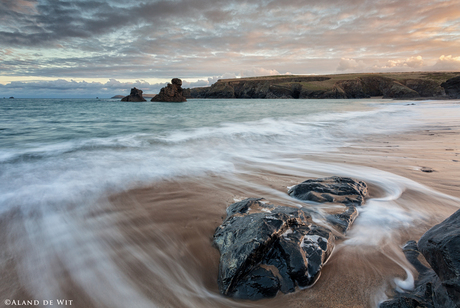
[
  {"x": 171, "y": 93},
  {"x": 452, "y": 87},
  {"x": 396, "y": 86},
  {"x": 134, "y": 96},
  {"x": 266, "y": 248},
  {"x": 438, "y": 286}
]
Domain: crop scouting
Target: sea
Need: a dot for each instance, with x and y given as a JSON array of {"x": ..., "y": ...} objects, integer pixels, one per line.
[{"x": 65, "y": 162}]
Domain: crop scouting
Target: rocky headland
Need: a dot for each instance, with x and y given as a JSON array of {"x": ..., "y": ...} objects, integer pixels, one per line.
[
  {"x": 134, "y": 96},
  {"x": 173, "y": 93},
  {"x": 387, "y": 85}
]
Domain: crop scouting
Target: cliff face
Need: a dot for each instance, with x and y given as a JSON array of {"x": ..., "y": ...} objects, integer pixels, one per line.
[
  {"x": 452, "y": 87},
  {"x": 405, "y": 86}
]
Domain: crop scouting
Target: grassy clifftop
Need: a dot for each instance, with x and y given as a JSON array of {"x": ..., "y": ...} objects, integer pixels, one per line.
[{"x": 388, "y": 85}]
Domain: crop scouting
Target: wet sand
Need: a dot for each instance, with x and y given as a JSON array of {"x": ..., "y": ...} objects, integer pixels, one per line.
[{"x": 151, "y": 246}]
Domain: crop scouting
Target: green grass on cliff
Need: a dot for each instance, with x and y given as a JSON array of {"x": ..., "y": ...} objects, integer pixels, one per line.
[{"x": 439, "y": 77}]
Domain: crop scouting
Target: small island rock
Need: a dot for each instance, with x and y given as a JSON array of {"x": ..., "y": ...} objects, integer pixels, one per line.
[
  {"x": 134, "y": 96},
  {"x": 171, "y": 93}
]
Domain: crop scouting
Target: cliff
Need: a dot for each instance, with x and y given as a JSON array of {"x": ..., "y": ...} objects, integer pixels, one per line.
[{"x": 387, "y": 85}]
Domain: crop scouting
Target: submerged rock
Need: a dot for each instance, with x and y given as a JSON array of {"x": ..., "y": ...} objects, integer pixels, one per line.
[
  {"x": 172, "y": 93},
  {"x": 134, "y": 96},
  {"x": 266, "y": 248},
  {"x": 438, "y": 286}
]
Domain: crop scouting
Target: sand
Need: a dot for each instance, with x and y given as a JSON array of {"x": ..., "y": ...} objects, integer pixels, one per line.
[{"x": 152, "y": 245}]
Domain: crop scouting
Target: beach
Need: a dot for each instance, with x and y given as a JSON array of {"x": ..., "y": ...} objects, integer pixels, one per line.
[{"x": 149, "y": 243}]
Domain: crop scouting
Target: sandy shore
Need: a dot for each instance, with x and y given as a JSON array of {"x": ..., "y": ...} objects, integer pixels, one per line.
[
  {"x": 152, "y": 245},
  {"x": 191, "y": 209}
]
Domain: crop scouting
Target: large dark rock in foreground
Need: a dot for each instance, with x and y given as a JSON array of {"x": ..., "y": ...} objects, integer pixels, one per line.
[
  {"x": 452, "y": 87},
  {"x": 134, "y": 96},
  {"x": 441, "y": 248},
  {"x": 266, "y": 248},
  {"x": 171, "y": 93},
  {"x": 438, "y": 286}
]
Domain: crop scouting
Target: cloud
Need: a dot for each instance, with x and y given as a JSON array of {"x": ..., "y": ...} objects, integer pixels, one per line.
[
  {"x": 72, "y": 88},
  {"x": 408, "y": 64},
  {"x": 412, "y": 62},
  {"x": 258, "y": 72},
  {"x": 351, "y": 64},
  {"x": 447, "y": 63},
  {"x": 202, "y": 38}
]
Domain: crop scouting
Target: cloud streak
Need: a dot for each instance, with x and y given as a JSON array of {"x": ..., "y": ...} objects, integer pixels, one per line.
[{"x": 198, "y": 39}]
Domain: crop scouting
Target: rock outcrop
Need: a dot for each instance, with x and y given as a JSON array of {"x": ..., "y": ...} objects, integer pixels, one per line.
[
  {"x": 171, "y": 93},
  {"x": 397, "y": 86},
  {"x": 134, "y": 96},
  {"x": 452, "y": 87},
  {"x": 438, "y": 286},
  {"x": 266, "y": 248}
]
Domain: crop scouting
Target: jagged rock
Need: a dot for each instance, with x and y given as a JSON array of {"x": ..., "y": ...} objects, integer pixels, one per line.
[
  {"x": 429, "y": 292},
  {"x": 353, "y": 88},
  {"x": 441, "y": 248},
  {"x": 438, "y": 286},
  {"x": 134, "y": 96},
  {"x": 425, "y": 88},
  {"x": 331, "y": 189},
  {"x": 452, "y": 87},
  {"x": 171, "y": 93},
  {"x": 266, "y": 248},
  {"x": 334, "y": 189},
  {"x": 395, "y": 89},
  {"x": 221, "y": 90}
]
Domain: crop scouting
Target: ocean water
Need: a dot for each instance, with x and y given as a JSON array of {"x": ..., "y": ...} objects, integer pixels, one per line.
[{"x": 59, "y": 157}]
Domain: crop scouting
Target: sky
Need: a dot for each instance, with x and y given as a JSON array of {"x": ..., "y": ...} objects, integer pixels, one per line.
[{"x": 73, "y": 48}]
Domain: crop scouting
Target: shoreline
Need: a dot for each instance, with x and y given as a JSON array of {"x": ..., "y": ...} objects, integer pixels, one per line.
[
  {"x": 152, "y": 244},
  {"x": 402, "y": 154}
]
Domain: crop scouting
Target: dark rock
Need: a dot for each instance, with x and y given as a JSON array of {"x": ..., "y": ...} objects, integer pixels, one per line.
[
  {"x": 441, "y": 248},
  {"x": 438, "y": 286},
  {"x": 221, "y": 90},
  {"x": 452, "y": 87},
  {"x": 425, "y": 87},
  {"x": 353, "y": 88},
  {"x": 134, "y": 96},
  {"x": 172, "y": 93},
  {"x": 395, "y": 89},
  {"x": 264, "y": 248},
  {"x": 332, "y": 189}
]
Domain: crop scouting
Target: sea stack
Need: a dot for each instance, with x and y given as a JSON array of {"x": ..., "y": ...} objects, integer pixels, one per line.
[
  {"x": 134, "y": 96},
  {"x": 171, "y": 93}
]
